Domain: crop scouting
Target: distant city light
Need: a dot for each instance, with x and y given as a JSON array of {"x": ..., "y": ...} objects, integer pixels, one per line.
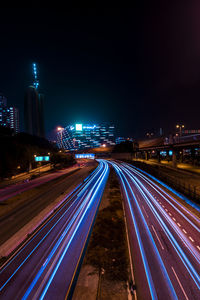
[
  {"x": 85, "y": 155},
  {"x": 35, "y": 80},
  {"x": 89, "y": 127}
]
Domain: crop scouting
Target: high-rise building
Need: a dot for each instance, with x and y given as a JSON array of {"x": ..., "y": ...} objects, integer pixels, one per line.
[
  {"x": 85, "y": 136},
  {"x": 4, "y": 112},
  {"x": 9, "y": 116},
  {"x": 33, "y": 108},
  {"x": 14, "y": 119}
]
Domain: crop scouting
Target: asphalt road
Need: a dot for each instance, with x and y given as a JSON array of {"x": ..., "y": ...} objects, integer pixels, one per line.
[
  {"x": 164, "y": 238},
  {"x": 45, "y": 267},
  {"x": 12, "y": 190},
  {"x": 20, "y": 215}
]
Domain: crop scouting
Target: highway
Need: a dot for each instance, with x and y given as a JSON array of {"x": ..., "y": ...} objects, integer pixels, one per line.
[
  {"x": 164, "y": 238},
  {"x": 14, "y": 189},
  {"x": 47, "y": 265},
  {"x": 15, "y": 215}
]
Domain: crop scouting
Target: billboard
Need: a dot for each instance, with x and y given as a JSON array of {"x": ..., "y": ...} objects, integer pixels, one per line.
[
  {"x": 85, "y": 155},
  {"x": 42, "y": 158}
]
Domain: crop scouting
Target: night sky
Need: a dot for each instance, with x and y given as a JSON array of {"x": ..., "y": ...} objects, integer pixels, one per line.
[{"x": 136, "y": 67}]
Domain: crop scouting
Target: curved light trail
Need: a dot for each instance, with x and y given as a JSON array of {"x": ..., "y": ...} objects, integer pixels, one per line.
[
  {"x": 46, "y": 266},
  {"x": 163, "y": 236}
]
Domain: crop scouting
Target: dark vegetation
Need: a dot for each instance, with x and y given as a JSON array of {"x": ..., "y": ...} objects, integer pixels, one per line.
[
  {"x": 17, "y": 152},
  {"x": 107, "y": 248}
]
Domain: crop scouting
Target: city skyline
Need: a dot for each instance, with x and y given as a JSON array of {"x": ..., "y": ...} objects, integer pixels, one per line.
[
  {"x": 131, "y": 68},
  {"x": 100, "y": 189}
]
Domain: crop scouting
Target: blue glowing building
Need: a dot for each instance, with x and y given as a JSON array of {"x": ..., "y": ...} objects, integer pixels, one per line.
[{"x": 85, "y": 136}]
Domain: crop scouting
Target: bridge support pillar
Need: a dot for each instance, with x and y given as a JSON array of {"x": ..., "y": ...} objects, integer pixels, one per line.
[
  {"x": 146, "y": 155},
  {"x": 193, "y": 155},
  {"x": 158, "y": 155},
  {"x": 174, "y": 159}
]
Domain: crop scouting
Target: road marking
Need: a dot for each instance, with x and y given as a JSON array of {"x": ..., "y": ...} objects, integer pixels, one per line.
[
  {"x": 179, "y": 224},
  {"x": 198, "y": 247},
  {"x": 170, "y": 214},
  {"x": 180, "y": 284},
  {"x": 45, "y": 262},
  {"x": 174, "y": 219},
  {"x": 184, "y": 231},
  {"x": 145, "y": 211},
  {"x": 166, "y": 210},
  {"x": 191, "y": 239},
  {"x": 157, "y": 237}
]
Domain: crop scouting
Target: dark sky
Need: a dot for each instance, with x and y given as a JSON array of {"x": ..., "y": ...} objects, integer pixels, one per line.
[{"x": 138, "y": 67}]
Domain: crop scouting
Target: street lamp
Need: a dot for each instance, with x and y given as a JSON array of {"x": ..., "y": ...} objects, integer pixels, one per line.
[{"x": 180, "y": 127}]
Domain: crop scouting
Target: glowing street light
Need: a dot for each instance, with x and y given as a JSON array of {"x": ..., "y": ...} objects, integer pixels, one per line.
[{"x": 180, "y": 127}]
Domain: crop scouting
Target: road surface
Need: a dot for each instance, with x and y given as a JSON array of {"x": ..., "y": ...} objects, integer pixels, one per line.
[
  {"x": 46, "y": 266},
  {"x": 164, "y": 238},
  {"x": 24, "y": 211},
  {"x": 12, "y": 190}
]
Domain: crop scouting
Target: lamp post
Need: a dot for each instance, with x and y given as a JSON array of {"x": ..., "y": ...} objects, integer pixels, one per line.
[{"x": 180, "y": 127}]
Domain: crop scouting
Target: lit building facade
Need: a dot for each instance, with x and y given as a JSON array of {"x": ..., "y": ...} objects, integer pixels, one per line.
[
  {"x": 14, "y": 119},
  {"x": 9, "y": 116},
  {"x": 85, "y": 136}
]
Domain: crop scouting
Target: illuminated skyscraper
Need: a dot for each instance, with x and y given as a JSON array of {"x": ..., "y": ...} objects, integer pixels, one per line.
[
  {"x": 14, "y": 119},
  {"x": 33, "y": 107},
  {"x": 85, "y": 136},
  {"x": 9, "y": 116}
]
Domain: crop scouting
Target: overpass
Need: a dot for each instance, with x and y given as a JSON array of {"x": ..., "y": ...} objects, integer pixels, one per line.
[{"x": 172, "y": 148}]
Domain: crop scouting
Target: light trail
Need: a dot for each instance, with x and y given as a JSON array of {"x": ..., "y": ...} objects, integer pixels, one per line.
[
  {"x": 163, "y": 269},
  {"x": 74, "y": 202},
  {"x": 195, "y": 205},
  {"x": 142, "y": 188},
  {"x": 60, "y": 233},
  {"x": 80, "y": 212},
  {"x": 162, "y": 192},
  {"x": 173, "y": 241},
  {"x": 150, "y": 204}
]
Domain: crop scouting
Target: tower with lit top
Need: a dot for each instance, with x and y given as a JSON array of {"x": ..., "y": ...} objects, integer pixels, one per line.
[
  {"x": 35, "y": 76},
  {"x": 33, "y": 107}
]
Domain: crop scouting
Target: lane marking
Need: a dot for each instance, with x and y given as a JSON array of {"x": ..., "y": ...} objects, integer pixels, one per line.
[
  {"x": 179, "y": 224},
  {"x": 198, "y": 247},
  {"x": 145, "y": 211},
  {"x": 184, "y": 231},
  {"x": 174, "y": 219},
  {"x": 166, "y": 210},
  {"x": 191, "y": 239},
  {"x": 186, "y": 297},
  {"x": 170, "y": 214},
  {"x": 157, "y": 237}
]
